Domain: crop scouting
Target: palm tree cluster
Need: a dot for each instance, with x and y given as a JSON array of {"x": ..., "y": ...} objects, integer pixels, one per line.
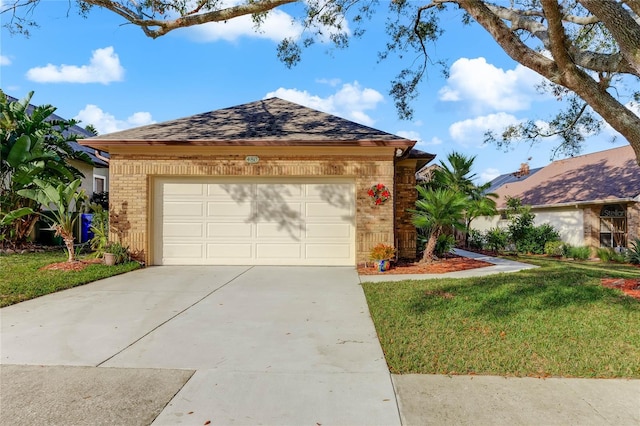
[{"x": 450, "y": 200}]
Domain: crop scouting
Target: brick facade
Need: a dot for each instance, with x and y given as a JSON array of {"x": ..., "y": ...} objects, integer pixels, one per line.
[
  {"x": 132, "y": 176},
  {"x": 405, "y": 199}
]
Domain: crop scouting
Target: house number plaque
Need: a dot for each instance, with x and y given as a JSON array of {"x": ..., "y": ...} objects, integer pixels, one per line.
[{"x": 252, "y": 159}]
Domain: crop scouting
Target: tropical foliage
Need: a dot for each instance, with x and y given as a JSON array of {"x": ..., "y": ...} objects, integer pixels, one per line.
[
  {"x": 33, "y": 147},
  {"x": 437, "y": 210},
  {"x": 67, "y": 202}
]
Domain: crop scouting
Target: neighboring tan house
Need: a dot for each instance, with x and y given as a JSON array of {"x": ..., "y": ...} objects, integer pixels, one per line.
[
  {"x": 96, "y": 175},
  {"x": 265, "y": 183},
  {"x": 592, "y": 200}
]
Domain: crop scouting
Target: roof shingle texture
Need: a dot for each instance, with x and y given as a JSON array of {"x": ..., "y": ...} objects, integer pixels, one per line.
[
  {"x": 271, "y": 119},
  {"x": 601, "y": 176}
]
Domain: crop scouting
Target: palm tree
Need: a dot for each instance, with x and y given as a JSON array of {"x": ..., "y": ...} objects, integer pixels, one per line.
[
  {"x": 437, "y": 209},
  {"x": 481, "y": 203}
]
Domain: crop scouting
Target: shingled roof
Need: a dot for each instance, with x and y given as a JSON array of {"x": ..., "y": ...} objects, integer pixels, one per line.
[
  {"x": 605, "y": 176},
  {"x": 271, "y": 121}
]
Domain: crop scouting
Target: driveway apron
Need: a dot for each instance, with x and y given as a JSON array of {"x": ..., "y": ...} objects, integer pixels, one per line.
[{"x": 269, "y": 345}]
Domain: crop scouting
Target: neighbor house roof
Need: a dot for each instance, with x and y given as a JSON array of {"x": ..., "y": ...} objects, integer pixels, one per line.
[
  {"x": 611, "y": 175},
  {"x": 510, "y": 178},
  {"x": 269, "y": 122},
  {"x": 73, "y": 130}
]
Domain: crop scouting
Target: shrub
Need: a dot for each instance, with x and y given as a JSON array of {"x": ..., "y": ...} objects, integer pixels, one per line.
[
  {"x": 554, "y": 248},
  {"x": 579, "y": 253},
  {"x": 444, "y": 244},
  {"x": 496, "y": 239},
  {"x": 609, "y": 255},
  {"x": 382, "y": 252},
  {"x": 120, "y": 252},
  {"x": 633, "y": 254},
  {"x": 476, "y": 240},
  {"x": 100, "y": 229}
]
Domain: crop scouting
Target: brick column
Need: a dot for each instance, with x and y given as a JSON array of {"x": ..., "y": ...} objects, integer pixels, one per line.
[{"x": 405, "y": 198}]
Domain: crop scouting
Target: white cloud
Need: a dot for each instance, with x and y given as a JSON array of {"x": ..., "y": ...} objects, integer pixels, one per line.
[
  {"x": 333, "y": 82},
  {"x": 484, "y": 87},
  {"x": 471, "y": 131},
  {"x": 415, "y": 136},
  {"x": 277, "y": 26},
  {"x": 489, "y": 174},
  {"x": 4, "y": 60},
  {"x": 107, "y": 123},
  {"x": 104, "y": 67},
  {"x": 350, "y": 101}
]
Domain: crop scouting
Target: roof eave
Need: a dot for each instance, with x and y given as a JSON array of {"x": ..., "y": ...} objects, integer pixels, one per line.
[
  {"x": 582, "y": 203},
  {"x": 104, "y": 144}
]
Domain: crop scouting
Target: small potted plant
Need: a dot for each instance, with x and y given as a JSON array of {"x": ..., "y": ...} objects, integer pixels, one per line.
[
  {"x": 382, "y": 254},
  {"x": 115, "y": 253}
]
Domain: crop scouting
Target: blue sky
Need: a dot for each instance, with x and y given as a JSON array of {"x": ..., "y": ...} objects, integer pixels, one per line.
[{"x": 111, "y": 75}]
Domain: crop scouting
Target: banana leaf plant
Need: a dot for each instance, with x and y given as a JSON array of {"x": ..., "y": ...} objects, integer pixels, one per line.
[{"x": 66, "y": 201}]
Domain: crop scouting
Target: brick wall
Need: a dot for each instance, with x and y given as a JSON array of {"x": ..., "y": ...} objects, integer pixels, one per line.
[
  {"x": 405, "y": 198},
  {"x": 633, "y": 222},
  {"x": 132, "y": 174}
]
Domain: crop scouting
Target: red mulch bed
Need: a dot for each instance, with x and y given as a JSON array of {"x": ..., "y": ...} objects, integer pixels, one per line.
[
  {"x": 77, "y": 265},
  {"x": 451, "y": 263},
  {"x": 629, "y": 286}
]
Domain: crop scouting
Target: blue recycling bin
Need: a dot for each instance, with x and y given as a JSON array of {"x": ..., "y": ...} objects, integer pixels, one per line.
[{"x": 85, "y": 225}]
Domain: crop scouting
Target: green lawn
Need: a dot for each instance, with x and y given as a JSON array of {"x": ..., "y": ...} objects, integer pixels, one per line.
[
  {"x": 21, "y": 278},
  {"x": 556, "y": 320}
]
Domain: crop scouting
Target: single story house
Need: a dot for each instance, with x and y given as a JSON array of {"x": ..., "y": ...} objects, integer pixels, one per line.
[
  {"x": 265, "y": 183},
  {"x": 592, "y": 200}
]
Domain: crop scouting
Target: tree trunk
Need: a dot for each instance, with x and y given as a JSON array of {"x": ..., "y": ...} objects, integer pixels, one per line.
[
  {"x": 68, "y": 242},
  {"x": 427, "y": 257}
]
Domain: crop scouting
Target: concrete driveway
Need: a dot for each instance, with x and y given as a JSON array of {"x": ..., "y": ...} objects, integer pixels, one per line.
[{"x": 229, "y": 345}]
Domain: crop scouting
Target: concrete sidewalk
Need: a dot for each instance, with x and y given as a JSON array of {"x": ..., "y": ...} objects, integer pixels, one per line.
[
  {"x": 488, "y": 400},
  {"x": 499, "y": 266}
]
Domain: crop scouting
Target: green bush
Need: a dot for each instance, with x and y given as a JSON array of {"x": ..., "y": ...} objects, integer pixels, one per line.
[
  {"x": 120, "y": 252},
  {"x": 633, "y": 254},
  {"x": 554, "y": 248},
  {"x": 476, "y": 240},
  {"x": 610, "y": 255},
  {"x": 444, "y": 244},
  {"x": 100, "y": 229},
  {"x": 579, "y": 253},
  {"x": 496, "y": 239}
]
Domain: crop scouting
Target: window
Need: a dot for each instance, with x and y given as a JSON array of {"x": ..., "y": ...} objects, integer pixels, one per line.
[
  {"x": 99, "y": 183},
  {"x": 613, "y": 226}
]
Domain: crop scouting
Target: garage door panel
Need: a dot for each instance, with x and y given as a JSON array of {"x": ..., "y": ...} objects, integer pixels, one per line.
[
  {"x": 280, "y": 191},
  {"x": 183, "y": 208},
  {"x": 229, "y": 229},
  {"x": 180, "y": 189},
  {"x": 254, "y": 221},
  {"x": 278, "y": 251},
  {"x": 182, "y": 251},
  {"x": 232, "y": 191},
  {"x": 226, "y": 209},
  {"x": 279, "y": 230},
  {"x": 182, "y": 230},
  {"x": 328, "y": 230},
  {"x": 217, "y": 252},
  {"x": 322, "y": 210},
  {"x": 327, "y": 251}
]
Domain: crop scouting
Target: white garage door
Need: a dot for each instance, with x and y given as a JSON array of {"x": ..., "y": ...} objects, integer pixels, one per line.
[{"x": 250, "y": 222}]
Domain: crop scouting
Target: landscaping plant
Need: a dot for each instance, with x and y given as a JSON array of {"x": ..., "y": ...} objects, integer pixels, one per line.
[
  {"x": 67, "y": 201},
  {"x": 633, "y": 254}
]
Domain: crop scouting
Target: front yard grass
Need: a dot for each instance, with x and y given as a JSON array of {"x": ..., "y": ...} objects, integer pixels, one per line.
[
  {"x": 21, "y": 278},
  {"x": 556, "y": 320}
]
